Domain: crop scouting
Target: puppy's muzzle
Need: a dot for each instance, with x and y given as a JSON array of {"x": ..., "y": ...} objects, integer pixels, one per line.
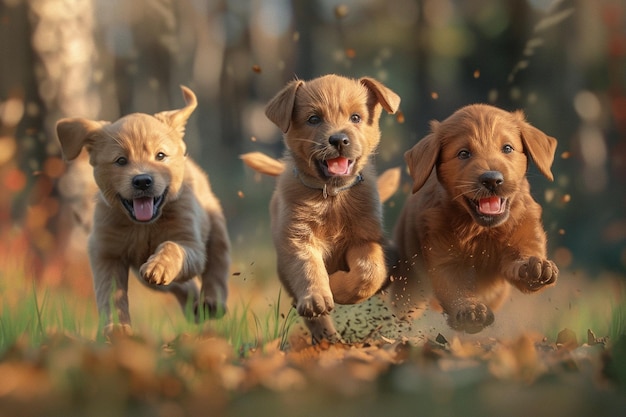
[
  {"x": 339, "y": 140},
  {"x": 342, "y": 164},
  {"x": 142, "y": 182},
  {"x": 491, "y": 180},
  {"x": 493, "y": 209},
  {"x": 144, "y": 207}
]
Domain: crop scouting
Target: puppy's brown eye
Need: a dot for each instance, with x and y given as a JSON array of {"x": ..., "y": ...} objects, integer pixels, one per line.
[
  {"x": 463, "y": 154},
  {"x": 121, "y": 161},
  {"x": 160, "y": 156},
  {"x": 507, "y": 149},
  {"x": 355, "y": 118},
  {"x": 314, "y": 120}
]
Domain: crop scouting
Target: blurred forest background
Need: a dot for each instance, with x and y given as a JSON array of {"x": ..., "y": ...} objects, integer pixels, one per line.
[{"x": 562, "y": 62}]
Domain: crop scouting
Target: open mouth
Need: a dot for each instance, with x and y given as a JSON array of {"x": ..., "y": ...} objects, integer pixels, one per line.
[
  {"x": 337, "y": 167},
  {"x": 144, "y": 209},
  {"x": 490, "y": 211}
]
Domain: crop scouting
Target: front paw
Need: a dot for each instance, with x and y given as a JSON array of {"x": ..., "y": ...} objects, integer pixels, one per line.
[
  {"x": 315, "y": 304},
  {"x": 164, "y": 265},
  {"x": 535, "y": 274},
  {"x": 470, "y": 318},
  {"x": 157, "y": 272}
]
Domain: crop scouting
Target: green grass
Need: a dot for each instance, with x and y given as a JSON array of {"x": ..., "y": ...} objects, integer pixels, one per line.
[
  {"x": 29, "y": 315},
  {"x": 617, "y": 326}
]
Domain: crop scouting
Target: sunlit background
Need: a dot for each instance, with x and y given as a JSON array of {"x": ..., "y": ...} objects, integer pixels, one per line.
[{"x": 562, "y": 62}]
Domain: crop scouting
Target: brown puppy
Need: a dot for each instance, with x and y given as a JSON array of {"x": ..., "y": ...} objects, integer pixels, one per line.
[
  {"x": 471, "y": 225},
  {"x": 155, "y": 213},
  {"x": 325, "y": 212}
]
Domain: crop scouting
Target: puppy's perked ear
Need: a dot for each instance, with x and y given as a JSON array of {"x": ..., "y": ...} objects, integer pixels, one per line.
[
  {"x": 280, "y": 108},
  {"x": 387, "y": 98},
  {"x": 74, "y": 133},
  {"x": 539, "y": 146},
  {"x": 422, "y": 157},
  {"x": 178, "y": 118}
]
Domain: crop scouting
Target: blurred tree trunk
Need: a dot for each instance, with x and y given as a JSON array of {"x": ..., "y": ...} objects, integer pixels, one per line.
[
  {"x": 66, "y": 72},
  {"x": 66, "y": 68}
]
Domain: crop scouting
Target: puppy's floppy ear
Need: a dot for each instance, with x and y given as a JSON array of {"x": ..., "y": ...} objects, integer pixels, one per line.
[
  {"x": 387, "y": 98},
  {"x": 178, "y": 118},
  {"x": 74, "y": 133},
  {"x": 539, "y": 146},
  {"x": 280, "y": 108},
  {"x": 422, "y": 157}
]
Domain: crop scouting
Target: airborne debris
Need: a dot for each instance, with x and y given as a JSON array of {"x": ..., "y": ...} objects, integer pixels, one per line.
[{"x": 341, "y": 11}]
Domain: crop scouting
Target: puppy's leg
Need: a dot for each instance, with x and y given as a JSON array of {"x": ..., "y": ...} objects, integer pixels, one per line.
[
  {"x": 304, "y": 275},
  {"x": 321, "y": 328},
  {"x": 456, "y": 292},
  {"x": 532, "y": 274},
  {"x": 173, "y": 260},
  {"x": 212, "y": 303},
  {"x": 111, "y": 287},
  {"x": 186, "y": 293},
  {"x": 366, "y": 275}
]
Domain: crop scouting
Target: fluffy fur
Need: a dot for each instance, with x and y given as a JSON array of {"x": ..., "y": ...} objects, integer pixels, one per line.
[
  {"x": 471, "y": 227},
  {"x": 326, "y": 215},
  {"x": 155, "y": 213}
]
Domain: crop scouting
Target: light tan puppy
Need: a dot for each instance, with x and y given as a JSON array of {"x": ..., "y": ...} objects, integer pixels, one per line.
[
  {"x": 471, "y": 227},
  {"x": 155, "y": 213},
  {"x": 325, "y": 212}
]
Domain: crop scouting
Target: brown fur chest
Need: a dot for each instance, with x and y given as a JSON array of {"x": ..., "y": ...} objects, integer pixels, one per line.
[
  {"x": 119, "y": 238},
  {"x": 341, "y": 217}
]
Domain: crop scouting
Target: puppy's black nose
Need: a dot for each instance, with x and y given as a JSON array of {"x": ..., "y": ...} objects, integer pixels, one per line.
[
  {"x": 339, "y": 139},
  {"x": 142, "y": 181},
  {"x": 491, "y": 180}
]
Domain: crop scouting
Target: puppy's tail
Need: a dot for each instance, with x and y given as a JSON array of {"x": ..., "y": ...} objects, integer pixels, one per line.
[
  {"x": 388, "y": 182},
  {"x": 262, "y": 163}
]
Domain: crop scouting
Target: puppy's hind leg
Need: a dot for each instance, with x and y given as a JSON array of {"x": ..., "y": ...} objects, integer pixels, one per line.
[
  {"x": 187, "y": 294},
  {"x": 214, "y": 292},
  {"x": 366, "y": 275}
]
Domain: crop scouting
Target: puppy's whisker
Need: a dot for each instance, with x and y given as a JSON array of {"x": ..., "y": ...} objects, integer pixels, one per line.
[
  {"x": 469, "y": 188},
  {"x": 458, "y": 196},
  {"x": 464, "y": 193},
  {"x": 305, "y": 140}
]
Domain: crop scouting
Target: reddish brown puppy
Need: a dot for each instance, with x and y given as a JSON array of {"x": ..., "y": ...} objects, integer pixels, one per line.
[{"x": 471, "y": 227}]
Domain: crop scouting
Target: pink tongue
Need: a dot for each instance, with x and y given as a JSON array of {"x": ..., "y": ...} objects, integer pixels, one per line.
[
  {"x": 490, "y": 205},
  {"x": 338, "y": 166},
  {"x": 143, "y": 208}
]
